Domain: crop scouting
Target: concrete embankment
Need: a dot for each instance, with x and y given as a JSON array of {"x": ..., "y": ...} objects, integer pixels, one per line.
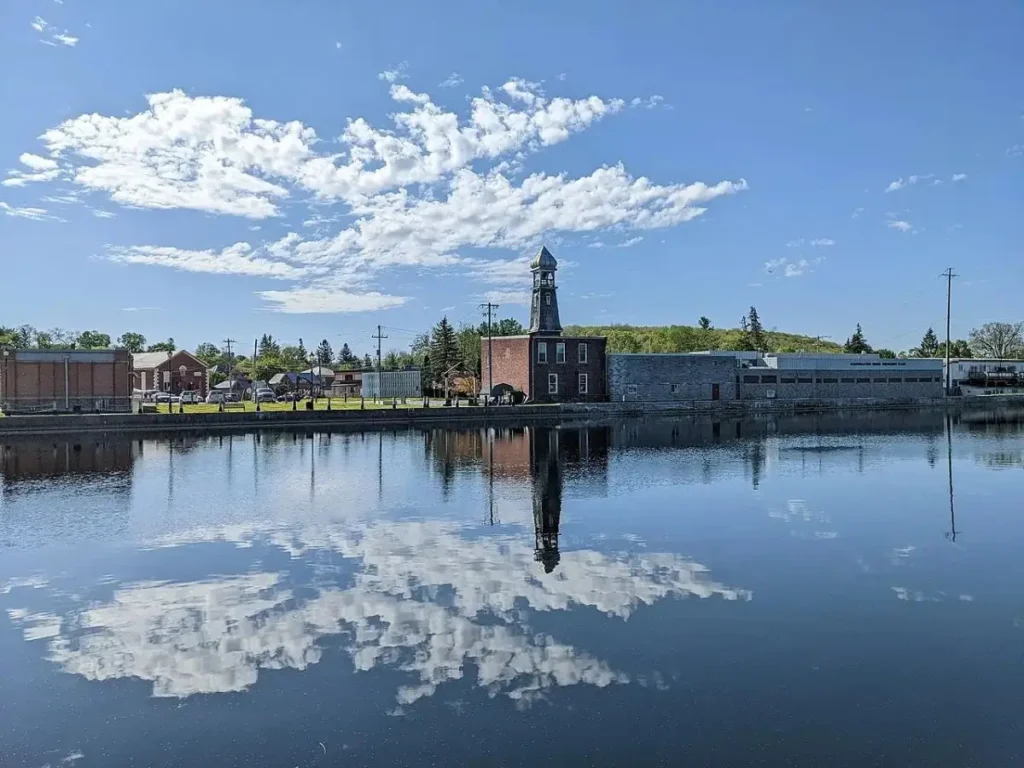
[{"x": 473, "y": 417}]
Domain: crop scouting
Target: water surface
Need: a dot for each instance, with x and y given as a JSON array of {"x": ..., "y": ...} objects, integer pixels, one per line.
[{"x": 798, "y": 591}]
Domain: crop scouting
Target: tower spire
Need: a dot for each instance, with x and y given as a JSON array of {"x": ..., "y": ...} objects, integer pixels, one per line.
[{"x": 544, "y": 302}]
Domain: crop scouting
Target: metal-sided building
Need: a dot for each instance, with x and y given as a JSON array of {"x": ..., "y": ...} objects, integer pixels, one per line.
[
  {"x": 386, "y": 385},
  {"x": 65, "y": 380}
]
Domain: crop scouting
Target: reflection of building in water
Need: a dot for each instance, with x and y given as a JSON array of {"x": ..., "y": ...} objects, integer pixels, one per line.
[
  {"x": 547, "y": 495},
  {"x": 85, "y": 455}
]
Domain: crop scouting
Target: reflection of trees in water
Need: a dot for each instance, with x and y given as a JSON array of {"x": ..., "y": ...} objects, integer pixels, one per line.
[
  {"x": 1004, "y": 459},
  {"x": 82, "y": 455}
]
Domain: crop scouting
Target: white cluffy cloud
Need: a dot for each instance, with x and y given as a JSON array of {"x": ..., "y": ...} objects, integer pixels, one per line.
[
  {"x": 818, "y": 242},
  {"x": 900, "y": 224},
  {"x": 787, "y": 268},
  {"x": 900, "y": 183},
  {"x": 35, "y": 214},
  {"x": 452, "y": 81},
  {"x": 426, "y": 602},
  {"x": 42, "y": 26},
  {"x": 417, "y": 194}
]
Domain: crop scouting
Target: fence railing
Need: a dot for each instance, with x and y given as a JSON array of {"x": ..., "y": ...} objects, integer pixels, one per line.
[{"x": 30, "y": 405}]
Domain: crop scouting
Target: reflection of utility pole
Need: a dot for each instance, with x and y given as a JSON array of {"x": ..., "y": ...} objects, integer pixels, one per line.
[
  {"x": 380, "y": 468},
  {"x": 380, "y": 368},
  {"x": 490, "y": 471},
  {"x": 951, "y": 534}
]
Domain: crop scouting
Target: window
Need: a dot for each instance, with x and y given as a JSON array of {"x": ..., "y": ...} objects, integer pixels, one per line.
[
  {"x": 769, "y": 379},
  {"x": 547, "y": 299},
  {"x": 560, "y": 352},
  {"x": 786, "y": 380},
  {"x": 846, "y": 381},
  {"x": 880, "y": 381},
  {"x": 581, "y": 351},
  {"x": 830, "y": 381},
  {"x": 631, "y": 389},
  {"x": 583, "y": 383},
  {"x": 751, "y": 379},
  {"x": 911, "y": 379},
  {"x": 542, "y": 351},
  {"x": 552, "y": 383},
  {"x": 895, "y": 381},
  {"x": 674, "y": 389},
  {"x": 804, "y": 381},
  {"x": 863, "y": 381}
]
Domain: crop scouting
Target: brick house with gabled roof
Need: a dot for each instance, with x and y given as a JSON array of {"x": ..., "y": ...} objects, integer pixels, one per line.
[{"x": 173, "y": 372}]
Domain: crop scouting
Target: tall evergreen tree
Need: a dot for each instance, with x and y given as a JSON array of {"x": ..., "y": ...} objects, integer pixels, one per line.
[
  {"x": 367, "y": 362},
  {"x": 346, "y": 358},
  {"x": 929, "y": 345},
  {"x": 268, "y": 346},
  {"x": 705, "y": 323},
  {"x": 756, "y": 330},
  {"x": 444, "y": 350},
  {"x": 302, "y": 351},
  {"x": 857, "y": 344},
  {"x": 746, "y": 341},
  {"x": 324, "y": 354}
]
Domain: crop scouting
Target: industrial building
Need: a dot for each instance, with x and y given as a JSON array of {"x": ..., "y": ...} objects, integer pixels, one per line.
[
  {"x": 753, "y": 376},
  {"x": 986, "y": 376},
  {"x": 65, "y": 380}
]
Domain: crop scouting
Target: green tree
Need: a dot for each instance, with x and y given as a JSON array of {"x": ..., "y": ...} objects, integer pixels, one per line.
[
  {"x": 162, "y": 346},
  {"x": 961, "y": 348},
  {"x": 929, "y": 346},
  {"x": 92, "y": 340},
  {"x": 61, "y": 338},
  {"x": 8, "y": 337},
  {"x": 367, "y": 362},
  {"x": 345, "y": 358},
  {"x": 704, "y": 323},
  {"x": 857, "y": 344},
  {"x": 392, "y": 361},
  {"x": 469, "y": 341},
  {"x": 886, "y": 354},
  {"x": 209, "y": 354},
  {"x": 133, "y": 342},
  {"x": 324, "y": 354},
  {"x": 293, "y": 358},
  {"x": 744, "y": 342},
  {"x": 1000, "y": 341},
  {"x": 268, "y": 346},
  {"x": 267, "y": 366},
  {"x": 43, "y": 340},
  {"x": 303, "y": 352},
  {"x": 444, "y": 350},
  {"x": 756, "y": 331}
]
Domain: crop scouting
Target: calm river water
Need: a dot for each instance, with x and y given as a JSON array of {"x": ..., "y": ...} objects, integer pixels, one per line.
[{"x": 817, "y": 591}]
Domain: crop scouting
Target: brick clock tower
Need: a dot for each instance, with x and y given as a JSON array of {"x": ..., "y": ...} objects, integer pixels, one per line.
[
  {"x": 544, "y": 365},
  {"x": 544, "y": 302}
]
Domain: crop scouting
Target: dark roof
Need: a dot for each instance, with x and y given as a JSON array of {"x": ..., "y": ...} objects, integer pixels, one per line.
[{"x": 544, "y": 260}]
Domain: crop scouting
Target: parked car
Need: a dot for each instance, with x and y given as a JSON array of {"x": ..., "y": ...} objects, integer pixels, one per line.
[
  {"x": 215, "y": 396},
  {"x": 163, "y": 397},
  {"x": 189, "y": 396},
  {"x": 265, "y": 396},
  {"x": 287, "y": 397},
  {"x": 232, "y": 397}
]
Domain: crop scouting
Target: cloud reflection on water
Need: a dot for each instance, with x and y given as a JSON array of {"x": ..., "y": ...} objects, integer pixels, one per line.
[{"x": 427, "y": 601}]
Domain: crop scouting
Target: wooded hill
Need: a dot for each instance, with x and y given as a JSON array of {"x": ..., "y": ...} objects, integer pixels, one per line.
[{"x": 687, "y": 338}]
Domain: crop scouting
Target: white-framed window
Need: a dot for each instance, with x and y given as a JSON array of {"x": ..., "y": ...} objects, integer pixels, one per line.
[
  {"x": 547, "y": 299},
  {"x": 583, "y": 383},
  {"x": 542, "y": 351},
  {"x": 581, "y": 352},
  {"x": 552, "y": 383},
  {"x": 631, "y": 389},
  {"x": 560, "y": 352},
  {"x": 674, "y": 388}
]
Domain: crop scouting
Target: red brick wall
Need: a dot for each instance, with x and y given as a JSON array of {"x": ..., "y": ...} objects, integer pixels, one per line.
[
  {"x": 511, "y": 362},
  {"x": 568, "y": 372}
]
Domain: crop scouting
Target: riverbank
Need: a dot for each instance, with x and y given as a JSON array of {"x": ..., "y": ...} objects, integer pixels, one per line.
[{"x": 467, "y": 416}]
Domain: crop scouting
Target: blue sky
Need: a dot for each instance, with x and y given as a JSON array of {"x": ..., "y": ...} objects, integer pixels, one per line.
[{"x": 206, "y": 170}]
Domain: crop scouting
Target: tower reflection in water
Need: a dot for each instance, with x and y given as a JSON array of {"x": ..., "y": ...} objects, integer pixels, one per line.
[{"x": 547, "y": 496}]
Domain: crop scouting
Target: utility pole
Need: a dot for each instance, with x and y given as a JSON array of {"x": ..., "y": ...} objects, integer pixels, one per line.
[
  {"x": 949, "y": 275},
  {"x": 818, "y": 340},
  {"x": 490, "y": 356},
  {"x": 231, "y": 360},
  {"x": 380, "y": 368}
]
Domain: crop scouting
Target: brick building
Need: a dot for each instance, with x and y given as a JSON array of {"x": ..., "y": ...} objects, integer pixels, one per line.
[
  {"x": 33, "y": 380},
  {"x": 545, "y": 365},
  {"x": 173, "y": 372}
]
